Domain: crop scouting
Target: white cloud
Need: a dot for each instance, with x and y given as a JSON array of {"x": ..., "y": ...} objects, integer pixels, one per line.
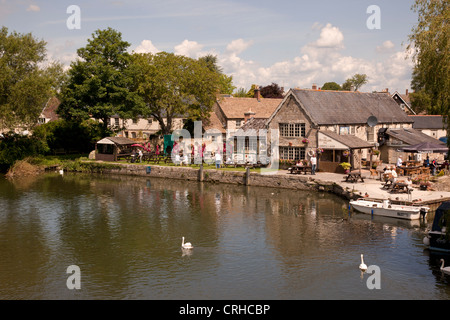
[
  {"x": 190, "y": 49},
  {"x": 330, "y": 37},
  {"x": 146, "y": 46},
  {"x": 319, "y": 61},
  {"x": 34, "y": 8},
  {"x": 386, "y": 47},
  {"x": 239, "y": 45}
]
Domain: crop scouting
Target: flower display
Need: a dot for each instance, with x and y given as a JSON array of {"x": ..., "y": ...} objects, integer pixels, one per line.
[{"x": 305, "y": 140}]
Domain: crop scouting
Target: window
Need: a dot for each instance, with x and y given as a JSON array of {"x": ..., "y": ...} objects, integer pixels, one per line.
[
  {"x": 135, "y": 121},
  {"x": 116, "y": 122},
  {"x": 292, "y": 129},
  {"x": 292, "y": 153},
  {"x": 238, "y": 123}
]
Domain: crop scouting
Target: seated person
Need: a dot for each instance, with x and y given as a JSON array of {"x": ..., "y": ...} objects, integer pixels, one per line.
[
  {"x": 393, "y": 178},
  {"x": 299, "y": 163},
  {"x": 409, "y": 184}
]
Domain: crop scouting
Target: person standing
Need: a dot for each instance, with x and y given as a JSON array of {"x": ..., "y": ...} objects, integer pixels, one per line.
[
  {"x": 218, "y": 159},
  {"x": 313, "y": 163}
]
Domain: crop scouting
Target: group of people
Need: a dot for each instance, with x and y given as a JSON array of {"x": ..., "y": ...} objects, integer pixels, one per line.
[{"x": 312, "y": 160}]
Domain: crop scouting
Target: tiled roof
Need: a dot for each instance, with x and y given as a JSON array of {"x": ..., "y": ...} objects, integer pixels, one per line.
[
  {"x": 50, "y": 108},
  {"x": 235, "y": 108},
  {"x": 213, "y": 123},
  {"x": 252, "y": 127}
]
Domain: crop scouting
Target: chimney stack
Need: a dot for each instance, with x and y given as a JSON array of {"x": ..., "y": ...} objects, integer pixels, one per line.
[
  {"x": 314, "y": 86},
  {"x": 407, "y": 92},
  {"x": 257, "y": 93}
]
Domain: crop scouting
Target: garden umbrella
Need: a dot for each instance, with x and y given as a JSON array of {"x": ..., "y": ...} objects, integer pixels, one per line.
[{"x": 426, "y": 147}]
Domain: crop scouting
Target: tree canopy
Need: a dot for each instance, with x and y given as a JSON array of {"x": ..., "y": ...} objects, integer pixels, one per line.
[
  {"x": 272, "y": 91},
  {"x": 429, "y": 43},
  {"x": 355, "y": 82},
  {"x": 100, "y": 84},
  {"x": 26, "y": 82},
  {"x": 172, "y": 85},
  {"x": 331, "y": 86}
]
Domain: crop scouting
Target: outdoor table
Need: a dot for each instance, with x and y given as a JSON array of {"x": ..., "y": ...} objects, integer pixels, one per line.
[
  {"x": 354, "y": 177},
  {"x": 300, "y": 169},
  {"x": 398, "y": 187},
  {"x": 409, "y": 171}
]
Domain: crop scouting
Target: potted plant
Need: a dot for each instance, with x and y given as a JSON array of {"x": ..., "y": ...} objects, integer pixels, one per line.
[
  {"x": 305, "y": 140},
  {"x": 346, "y": 166},
  {"x": 346, "y": 153}
]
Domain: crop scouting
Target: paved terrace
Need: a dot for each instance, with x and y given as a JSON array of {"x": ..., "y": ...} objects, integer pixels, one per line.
[{"x": 373, "y": 187}]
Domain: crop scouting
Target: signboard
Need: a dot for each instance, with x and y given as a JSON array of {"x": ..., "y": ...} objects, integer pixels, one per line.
[{"x": 325, "y": 142}]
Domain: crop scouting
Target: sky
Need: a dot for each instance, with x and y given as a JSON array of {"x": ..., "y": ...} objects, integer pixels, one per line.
[{"x": 292, "y": 43}]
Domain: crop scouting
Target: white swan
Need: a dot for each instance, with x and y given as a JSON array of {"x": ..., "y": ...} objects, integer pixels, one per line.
[
  {"x": 362, "y": 266},
  {"x": 61, "y": 172},
  {"x": 186, "y": 245},
  {"x": 446, "y": 269}
]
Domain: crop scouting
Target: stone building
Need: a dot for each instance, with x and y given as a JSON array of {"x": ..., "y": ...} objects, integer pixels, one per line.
[{"x": 339, "y": 126}]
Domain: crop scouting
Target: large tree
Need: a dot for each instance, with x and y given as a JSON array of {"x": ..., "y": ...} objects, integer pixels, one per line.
[
  {"x": 27, "y": 81},
  {"x": 225, "y": 82},
  {"x": 429, "y": 43},
  {"x": 99, "y": 84},
  {"x": 173, "y": 85},
  {"x": 331, "y": 86},
  {"x": 355, "y": 82}
]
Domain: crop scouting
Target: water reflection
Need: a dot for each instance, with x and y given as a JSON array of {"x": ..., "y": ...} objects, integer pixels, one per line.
[{"x": 250, "y": 243}]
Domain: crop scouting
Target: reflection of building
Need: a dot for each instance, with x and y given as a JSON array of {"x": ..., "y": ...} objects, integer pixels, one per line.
[{"x": 336, "y": 122}]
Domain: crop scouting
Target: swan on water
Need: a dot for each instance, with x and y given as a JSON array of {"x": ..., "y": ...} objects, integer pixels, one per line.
[
  {"x": 362, "y": 266},
  {"x": 446, "y": 269},
  {"x": 186, "y": 245},
  {"x": 61, "y": 172}
]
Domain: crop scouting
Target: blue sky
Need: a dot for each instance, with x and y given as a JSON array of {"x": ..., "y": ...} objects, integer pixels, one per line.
[{"x": 292, "y": 43}]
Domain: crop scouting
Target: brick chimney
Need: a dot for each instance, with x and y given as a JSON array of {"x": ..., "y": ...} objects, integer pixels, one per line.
[
  {"x": 314, "y": 86},
  {"x": 249, "y": 114},
  {"x": 257, "y": 93},
  {"x": 407, "y": 92}
]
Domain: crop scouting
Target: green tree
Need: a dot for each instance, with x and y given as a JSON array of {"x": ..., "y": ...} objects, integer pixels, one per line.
[
  {"x": 226, "y": 82},
  {"x": 331, "y": 86},
  {"x": 26, "y": 80},
  {"x": 355, "y": 82},
  {"x": 172, "y": 85},
  {"x": 100, "y": 84},
  {"x": 240, "y": 93},
  {"x": 429, "y": 43}
]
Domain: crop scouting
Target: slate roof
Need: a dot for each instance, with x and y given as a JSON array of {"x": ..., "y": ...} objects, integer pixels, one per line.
[
  {"x": 234, "y": 108},
  {"x": 349, "y": 140},
  {"x": 49, "y": 111},
  {"x": 411, "y": 136},
  {"x": 345, "y": 107},
  {"x": 427, "y": 122}
]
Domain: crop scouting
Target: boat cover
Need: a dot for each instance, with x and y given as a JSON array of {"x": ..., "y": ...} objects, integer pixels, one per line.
[{"x": 439, "y": 215}]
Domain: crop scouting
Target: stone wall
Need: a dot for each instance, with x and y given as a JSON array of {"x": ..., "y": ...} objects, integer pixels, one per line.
[{"x": 233, "y": 177}]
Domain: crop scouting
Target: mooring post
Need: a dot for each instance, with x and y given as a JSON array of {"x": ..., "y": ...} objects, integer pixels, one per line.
[
  {"x": 247, "y": 176},
  {"x": 200, "y": 173}
]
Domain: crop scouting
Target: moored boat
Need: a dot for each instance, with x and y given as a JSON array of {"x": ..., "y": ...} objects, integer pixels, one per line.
[
  {"x": 386, "y": 209},
  {"x": 437, "y": 239}
]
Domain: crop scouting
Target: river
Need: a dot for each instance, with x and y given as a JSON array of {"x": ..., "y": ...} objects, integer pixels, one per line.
[{"x": 124, "y": 234}]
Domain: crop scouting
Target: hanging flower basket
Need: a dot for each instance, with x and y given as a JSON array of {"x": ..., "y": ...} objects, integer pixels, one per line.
[
  {"x": 305, "y": 140},
  {"x": 319, "y": 150},
  {"x": 346, "y": 153}
]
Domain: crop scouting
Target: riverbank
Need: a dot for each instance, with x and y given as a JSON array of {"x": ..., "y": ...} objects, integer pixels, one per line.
[{"x": 322, "y": 181}]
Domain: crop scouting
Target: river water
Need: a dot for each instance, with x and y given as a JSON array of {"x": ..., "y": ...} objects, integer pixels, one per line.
[{"x": 124, "y": 234}]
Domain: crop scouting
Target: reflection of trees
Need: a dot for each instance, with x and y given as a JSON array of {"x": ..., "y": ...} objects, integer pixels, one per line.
[{"x": 23, "y": 250}]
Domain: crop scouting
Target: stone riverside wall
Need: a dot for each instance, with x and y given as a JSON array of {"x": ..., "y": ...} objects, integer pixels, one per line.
[{"x": 232, "y": 177}]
